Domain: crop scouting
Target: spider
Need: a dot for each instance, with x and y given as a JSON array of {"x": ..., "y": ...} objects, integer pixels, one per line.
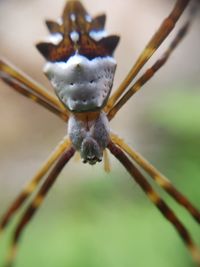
[{"x": 81, "y": 68}]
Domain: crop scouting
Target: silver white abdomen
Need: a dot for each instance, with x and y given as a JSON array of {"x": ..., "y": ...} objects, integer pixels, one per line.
[{"x": 82, "y": 84}]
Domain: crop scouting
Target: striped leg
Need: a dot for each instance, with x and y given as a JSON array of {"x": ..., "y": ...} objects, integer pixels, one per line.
[
  {"x": 29, "y": 88},
  {"x": 159, "y": 178},
  {"x": 37, "y": 201},
  {"x": 156, "y": 200},
  {"x": 151, "y": 71},
  {"x": 30, "y": 188},
  {"x": 166, "y": 27}
]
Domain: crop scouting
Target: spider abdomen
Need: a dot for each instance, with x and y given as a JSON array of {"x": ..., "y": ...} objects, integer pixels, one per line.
[
  {"x": 82, "y": 84},
  {"x": 79, "y": 54}
]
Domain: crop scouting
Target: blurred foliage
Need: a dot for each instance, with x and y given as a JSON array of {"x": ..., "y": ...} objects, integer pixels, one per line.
[
  {"x": 177, "y": 118},
  {"x": 179, "y": 114},
  {"x": 105, "y": 222}
]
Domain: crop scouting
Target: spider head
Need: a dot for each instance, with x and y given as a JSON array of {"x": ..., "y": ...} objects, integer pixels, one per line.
[{"x": 90, "y": 151}]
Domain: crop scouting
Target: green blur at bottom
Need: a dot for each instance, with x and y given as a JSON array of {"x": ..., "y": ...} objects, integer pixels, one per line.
[{"x": 97, "y": 226}]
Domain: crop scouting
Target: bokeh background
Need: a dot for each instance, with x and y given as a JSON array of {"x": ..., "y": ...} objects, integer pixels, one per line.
[{"x": 92, "y": 219}]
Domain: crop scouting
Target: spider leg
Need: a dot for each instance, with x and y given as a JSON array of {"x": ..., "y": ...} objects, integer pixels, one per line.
[
  {"x": 152, "y": 70},
  {"x": 106, "y": 161},
  {"x": 32, "y": 185},
  {"x": 29, "y": 88},
  {"x": 37, "y": 201},
  {"x": 156, "y": 200},
  {"x": 166, "y": 27},
  {"x": 159, "y": 178}
]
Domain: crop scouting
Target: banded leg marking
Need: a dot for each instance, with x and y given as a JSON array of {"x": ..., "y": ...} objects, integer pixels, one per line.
[
  {"x": 36, "y": 203},
  {"x": 159, "y": 178},
  {"x": 152, "y": 70},
  {"x": 29, "y": 88},
  {"x": 157, "y": 201},
  {"x": 31, "y": 186},
  {"x": 166, "y": 27}
]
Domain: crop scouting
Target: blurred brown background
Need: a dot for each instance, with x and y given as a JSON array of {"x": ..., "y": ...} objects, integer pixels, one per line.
[{"x": 28, "y": 132}]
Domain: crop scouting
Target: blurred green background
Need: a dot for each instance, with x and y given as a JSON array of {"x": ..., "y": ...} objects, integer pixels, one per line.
[{"x": 93, "y": 219}]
